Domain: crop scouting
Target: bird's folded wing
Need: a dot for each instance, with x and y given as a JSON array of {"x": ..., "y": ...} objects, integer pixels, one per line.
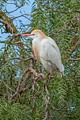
[{"x": 50, "y": 52}]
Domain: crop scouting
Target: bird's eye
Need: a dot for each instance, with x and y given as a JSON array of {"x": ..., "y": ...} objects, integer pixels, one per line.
[{"x": 33, "y": 34}]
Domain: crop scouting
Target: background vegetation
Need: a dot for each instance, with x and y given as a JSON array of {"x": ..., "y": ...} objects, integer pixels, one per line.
[{"x": 24, "y": 93}]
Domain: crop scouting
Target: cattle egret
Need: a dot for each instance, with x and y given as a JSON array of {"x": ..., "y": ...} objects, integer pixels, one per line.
[{"x": 46, "y": 51}]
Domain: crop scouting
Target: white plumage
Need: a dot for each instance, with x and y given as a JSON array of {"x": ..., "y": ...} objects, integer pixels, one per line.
[{"x": 46, "y": 50}]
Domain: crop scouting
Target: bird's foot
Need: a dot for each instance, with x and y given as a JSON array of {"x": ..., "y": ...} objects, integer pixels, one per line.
[{"x": 42, "y": 75}]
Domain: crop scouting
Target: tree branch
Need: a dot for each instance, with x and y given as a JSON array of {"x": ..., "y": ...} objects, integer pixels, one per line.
[
  {"x": 8, "y": 23},
  {"x": 73, "y": 59}
]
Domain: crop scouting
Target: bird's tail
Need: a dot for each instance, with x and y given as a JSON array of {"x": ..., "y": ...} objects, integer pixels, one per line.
[{"x": 61, "y": 72}]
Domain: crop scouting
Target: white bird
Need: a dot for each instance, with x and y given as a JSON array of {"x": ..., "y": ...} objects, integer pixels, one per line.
[{"x": 46, "y": 51}]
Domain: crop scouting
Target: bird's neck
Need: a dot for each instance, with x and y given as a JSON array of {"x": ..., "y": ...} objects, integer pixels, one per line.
[
  {"x": 43, "y": 36},
  {"x": 37, "y": 41}
]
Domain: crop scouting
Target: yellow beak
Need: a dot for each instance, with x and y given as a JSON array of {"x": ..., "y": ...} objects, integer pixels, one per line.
[{"x": 26, "y": 34}]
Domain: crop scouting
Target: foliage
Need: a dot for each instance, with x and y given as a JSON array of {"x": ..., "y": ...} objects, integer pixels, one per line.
[
  {"x": 13, "y": 111},
  {"x": 24, "y": 93}
]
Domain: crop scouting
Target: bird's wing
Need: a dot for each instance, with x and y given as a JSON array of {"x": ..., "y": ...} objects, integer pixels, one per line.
[{"x": 50, "y": 51}]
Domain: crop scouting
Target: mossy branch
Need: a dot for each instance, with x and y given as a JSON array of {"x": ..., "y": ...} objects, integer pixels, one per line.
[{"x": 8, "y": 23}]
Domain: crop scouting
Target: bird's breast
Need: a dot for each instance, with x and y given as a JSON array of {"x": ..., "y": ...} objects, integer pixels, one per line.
[
  {"x": 35, "y": 49},
  {"x": 36, "y": 43}
]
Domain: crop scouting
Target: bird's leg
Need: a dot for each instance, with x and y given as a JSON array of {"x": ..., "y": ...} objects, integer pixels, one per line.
[
  {"x": 60, "y": 74},
  {"x": 63, "y": 74},
  {"x": 42, "y": 75},
  {"x": 49, "y": 75},
  {"x": 47, "y": 100}
]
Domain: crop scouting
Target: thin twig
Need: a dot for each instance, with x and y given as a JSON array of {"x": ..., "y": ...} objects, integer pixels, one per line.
[
  {"x": 15, "y": 9},
  {"x": 73, "y": 59},
  {"x": 17, "y": 91},
  {"x": 47, "y": 102},
  {"x": 13, "y": 18},
  {"x": 8, "y": 86}
]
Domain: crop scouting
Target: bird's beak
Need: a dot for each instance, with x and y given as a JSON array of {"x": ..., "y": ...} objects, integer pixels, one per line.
[{"x": 26, "y": 34}]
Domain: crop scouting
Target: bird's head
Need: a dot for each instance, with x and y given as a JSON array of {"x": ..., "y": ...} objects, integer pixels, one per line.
[{"x": 35, "y": 34}]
